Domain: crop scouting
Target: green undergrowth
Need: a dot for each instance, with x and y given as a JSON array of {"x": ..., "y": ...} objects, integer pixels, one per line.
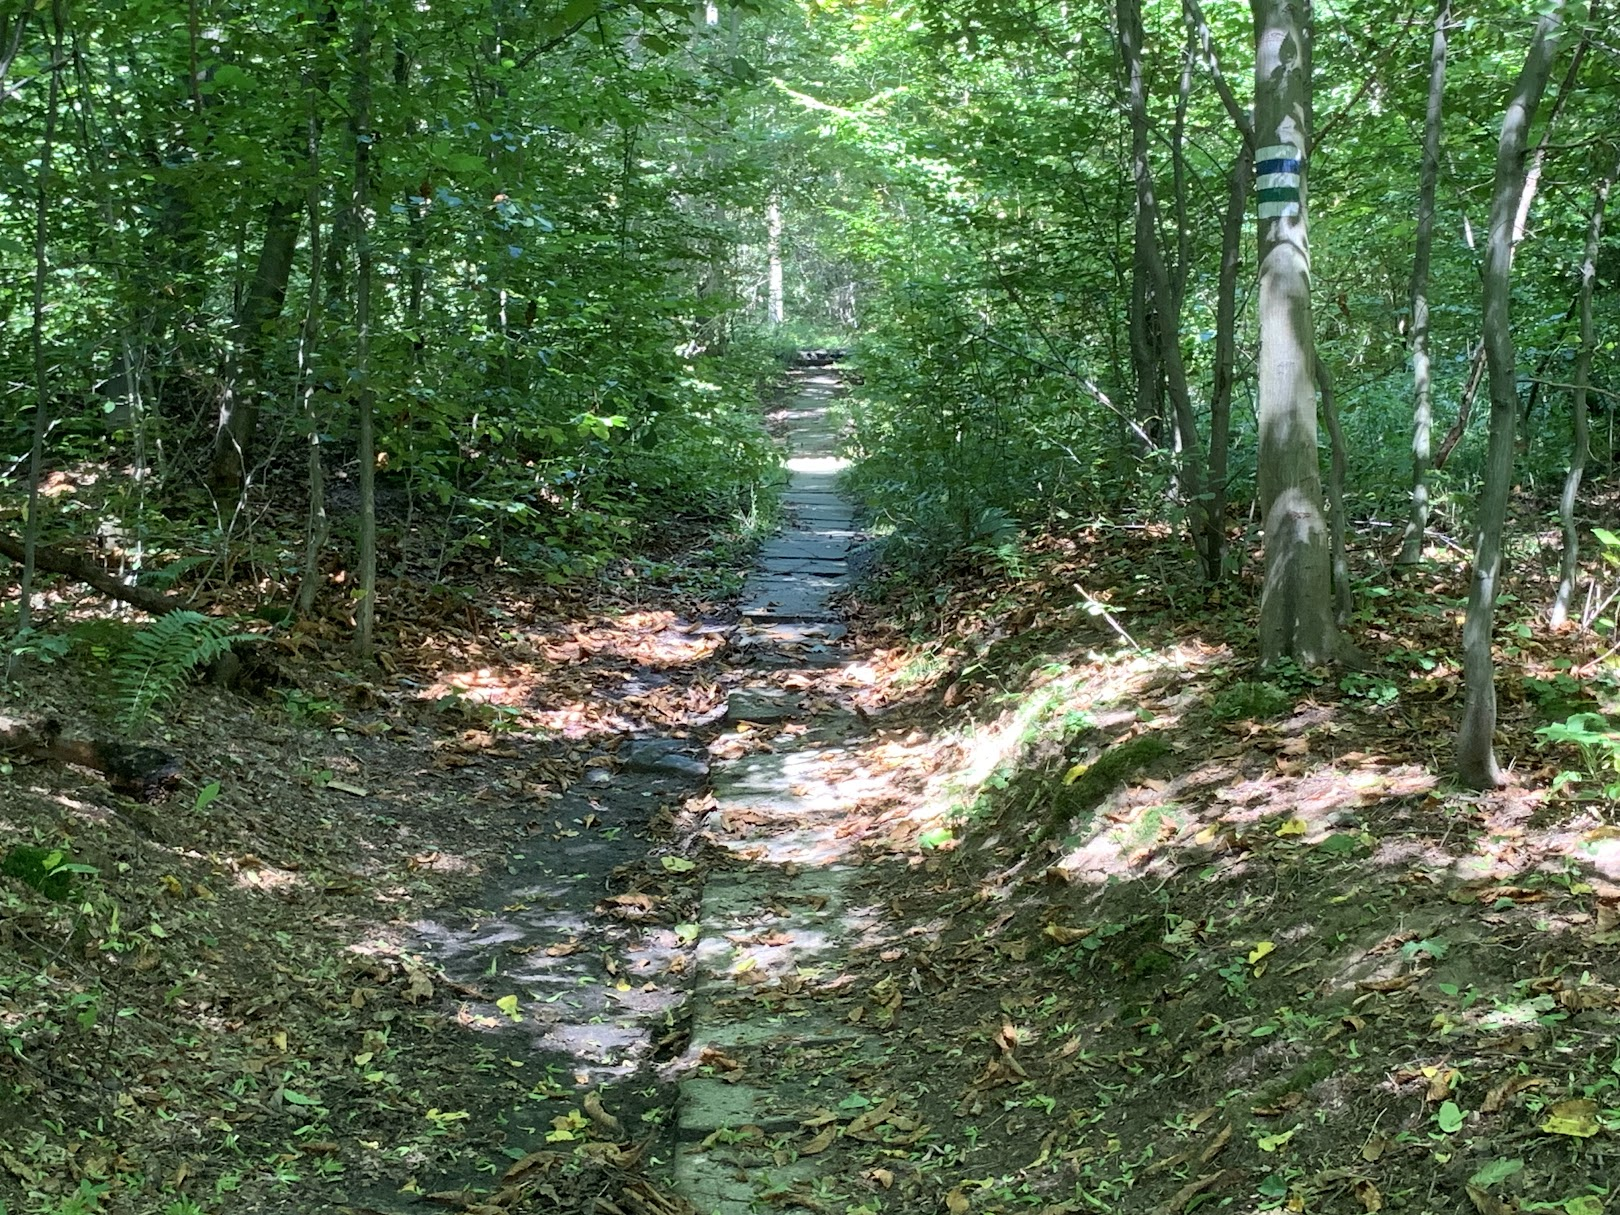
[{"x": 1229, "y": 939}]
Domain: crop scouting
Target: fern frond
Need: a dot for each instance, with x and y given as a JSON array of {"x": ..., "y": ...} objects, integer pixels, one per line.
[{"x": 161, "y": 657}]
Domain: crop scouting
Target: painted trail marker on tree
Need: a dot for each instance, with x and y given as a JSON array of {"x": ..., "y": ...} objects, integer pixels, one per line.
[{"x": 1277, "y": 177}]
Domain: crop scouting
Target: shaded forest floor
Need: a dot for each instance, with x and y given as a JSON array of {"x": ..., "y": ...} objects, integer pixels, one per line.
[{"x": 1149, "y": 932}]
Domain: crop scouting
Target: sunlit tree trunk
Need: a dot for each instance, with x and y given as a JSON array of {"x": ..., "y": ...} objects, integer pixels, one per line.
[
  {"x": 1422, "y": 403},
  {"x": 776, "y": 311},
  {"x": 1476, "y": 757},
  {"x": 1577, "y": 405},
  {"x": 1296, "y": 610}
]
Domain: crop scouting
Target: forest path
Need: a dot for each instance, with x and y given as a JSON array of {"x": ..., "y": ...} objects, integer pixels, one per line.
[{"x": 777, "y": 927}]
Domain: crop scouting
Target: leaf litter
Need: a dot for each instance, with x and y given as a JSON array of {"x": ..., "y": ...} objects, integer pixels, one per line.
[{"x": 1270, "y": 962}]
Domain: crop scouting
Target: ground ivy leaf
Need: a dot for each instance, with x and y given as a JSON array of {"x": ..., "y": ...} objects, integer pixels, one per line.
[{"x": 1450, "y": 1117}]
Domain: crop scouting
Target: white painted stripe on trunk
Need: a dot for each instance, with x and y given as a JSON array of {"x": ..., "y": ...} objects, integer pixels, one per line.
[
  {"x": 1279, "y": 151},
  {"x": 1271, "y": 181},
  {"x": 1278, "y": 210}
]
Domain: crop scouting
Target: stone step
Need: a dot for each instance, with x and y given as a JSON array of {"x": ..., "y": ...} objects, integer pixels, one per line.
[
  {"x": 810, "y": 567},
  {"x": 800, "y": 545},
  {"x": 786, "y": 597}
]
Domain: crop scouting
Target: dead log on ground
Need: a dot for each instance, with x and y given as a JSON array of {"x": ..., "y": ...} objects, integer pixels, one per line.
[
  {"x": 143, "y": 773},
  {"x": 55, "y": 561}
]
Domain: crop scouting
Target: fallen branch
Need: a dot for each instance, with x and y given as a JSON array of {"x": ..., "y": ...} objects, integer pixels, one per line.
[
  {"x": 144, "y": 773},
  {"x": 55, "y": 561}
]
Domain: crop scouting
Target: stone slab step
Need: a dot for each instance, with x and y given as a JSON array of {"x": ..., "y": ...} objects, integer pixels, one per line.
[
  {"x": 811, "y": 635},
  {"x": 807, "y": 567},
  {"x": 786, "y": 597},
  {"x": 804, "y": 547},
  {"x": 836, "y": 514},
  {"x": 761, "y": 705}
]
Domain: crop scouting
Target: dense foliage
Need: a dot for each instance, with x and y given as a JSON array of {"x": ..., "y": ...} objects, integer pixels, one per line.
[
  {"x": 510, "y": 233},
  {"x": 992, "y": 234}
]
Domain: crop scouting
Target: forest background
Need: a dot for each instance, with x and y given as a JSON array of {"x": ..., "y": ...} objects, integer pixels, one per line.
[{"x": 318, "y": 312}]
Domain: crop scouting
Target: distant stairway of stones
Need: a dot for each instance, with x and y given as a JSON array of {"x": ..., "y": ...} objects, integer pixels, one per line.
[{"x": 775, "y": 927}]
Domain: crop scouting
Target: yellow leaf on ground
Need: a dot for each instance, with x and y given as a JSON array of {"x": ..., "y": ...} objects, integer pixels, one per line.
[
  {"x": 1261, "y": 950},
  {"x": 1577, "y": 1118},
  {"x": 1271, "y": 1143},
  {"x": 1065, "y": 935},
  {"x": 1294, "y": 826}
]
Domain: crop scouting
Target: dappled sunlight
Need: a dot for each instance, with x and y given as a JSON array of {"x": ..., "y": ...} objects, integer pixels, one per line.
[
  {"x": 1073, "y": 701},
  {"x": 612, "y": 675}
]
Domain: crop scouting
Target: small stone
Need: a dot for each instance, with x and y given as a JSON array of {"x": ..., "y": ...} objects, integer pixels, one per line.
[
  {"x": 760, "y": 705},
  {"x": 663, "y": 756}
]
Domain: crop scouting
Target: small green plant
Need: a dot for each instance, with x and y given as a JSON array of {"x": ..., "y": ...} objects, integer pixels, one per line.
[
  {"x": 160, "y": 658},
  {"x": 46, "y": 647},
  {"x": 1249, "y": 699},
  {"x": 1377, "y": 689},
  {"x": 48, "y": 870},
  {"x": 1599, "y": 747},
  {"x": 308, "y": 709}
]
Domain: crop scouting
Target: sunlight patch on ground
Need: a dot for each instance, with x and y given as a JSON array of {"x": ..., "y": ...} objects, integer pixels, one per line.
[{"x": 1067, "y": 704}]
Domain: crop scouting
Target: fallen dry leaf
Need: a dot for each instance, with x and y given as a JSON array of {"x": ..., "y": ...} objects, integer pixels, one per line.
[
  {"x": 821, "y": 1142},
  {"x": 1489, "y": 1204}
]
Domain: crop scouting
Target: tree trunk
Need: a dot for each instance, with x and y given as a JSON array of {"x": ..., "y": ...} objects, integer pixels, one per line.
[
  {"x": 317, "y": 527},
  {"x": 1220, "y": 398},
  {"x": 1422, "y": 401},
  {"x": 1296, "y": 613},
  {"x": 1476, "y": 757},
  {"x": 1149, "y": 399},
  {"x": 1344, "y": 600},
  {"x": 244, "y": 373},
  {"x": 1163, "y": 291},
  {"x": 1577, "y": 406},
  {"x": 776, "y": 309},
  {"x": 42, "y": 376},
  {"x": 360, "y": 226}
]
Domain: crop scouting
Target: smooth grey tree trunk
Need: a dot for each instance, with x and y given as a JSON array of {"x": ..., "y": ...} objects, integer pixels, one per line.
[
  {"x": 1296, "y": 607},
  {"x": 1476, "y": 753},
  {"x": 1579, "y": 437},
  {"x": 775, "y": 305},
  {"x": 1422, "y": 382}
]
